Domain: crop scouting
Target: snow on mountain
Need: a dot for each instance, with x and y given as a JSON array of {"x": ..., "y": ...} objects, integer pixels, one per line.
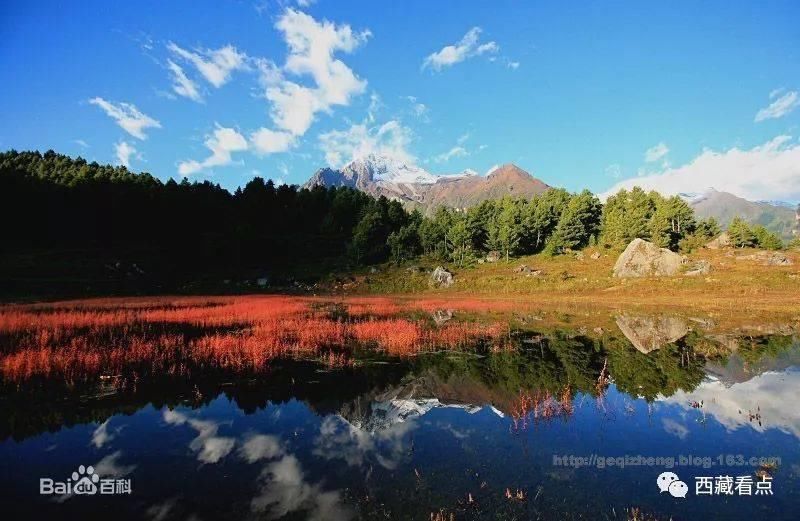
[
  {"x": 382, "y": 169},
  {"x": 384, "y": 414},
  {"x": 491, "y": 170}
]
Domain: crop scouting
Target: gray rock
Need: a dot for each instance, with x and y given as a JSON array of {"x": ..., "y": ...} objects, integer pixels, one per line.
[
  {"x": 644, "y": 259},
  {"x": 722, "y": 241},
  {"x": 493, "y": 256},
  {"x": 702, "y": 267},
  {"x": 441, "y": 278},
  {"x": 766, "y": 258},
  {"x": 595, "y": 255},
  {"x": 442, "y": 316}
]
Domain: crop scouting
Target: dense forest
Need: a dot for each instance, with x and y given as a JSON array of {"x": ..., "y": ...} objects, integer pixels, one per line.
[{"x": 68, "y": 219}]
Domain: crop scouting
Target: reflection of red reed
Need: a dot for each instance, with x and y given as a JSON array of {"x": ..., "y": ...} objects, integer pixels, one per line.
[
  {"x": 532, "y": 407},
  {"x": 101, "y": 337}
]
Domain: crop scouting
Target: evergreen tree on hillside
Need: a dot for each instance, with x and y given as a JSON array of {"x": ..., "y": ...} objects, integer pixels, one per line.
[
  {"x": 627, "y": 216},
  {"x": 766, "y": 239},
  {"x": 509, "y": 226},
  {"x": 708, "y": 228},
  {"x": 740, "y": 233},
  {"x": 458, "y": 238},
  {"x": 579, "y": 222},
  {"x": 540, "y": 217},
  {"x": 672, "y": 220}
]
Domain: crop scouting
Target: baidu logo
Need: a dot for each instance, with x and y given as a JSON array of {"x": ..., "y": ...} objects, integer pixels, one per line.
[{"x": 84, "y": 482}]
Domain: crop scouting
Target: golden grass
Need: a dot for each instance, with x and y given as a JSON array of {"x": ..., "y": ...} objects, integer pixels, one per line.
[{"x": 731, "y": 285}]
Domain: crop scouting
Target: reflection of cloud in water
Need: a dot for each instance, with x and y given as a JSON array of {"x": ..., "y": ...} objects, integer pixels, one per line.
[
  {"x": 260, "y": 446},
  {"x": 109, "y": 466},
  {"x": 675, "y": 428},
  {"x": 161, "y": 511},
  {"x": 775, "y": 394},
  {"x": 210, "y": 448},
  {"x": 101, "y": 436},
  {"x": 338, "y": 439},
  {"x": 284, "y": 490}
]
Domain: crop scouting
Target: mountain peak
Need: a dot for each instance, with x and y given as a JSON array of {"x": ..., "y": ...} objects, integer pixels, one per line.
[{"x": 386, "y": 169}]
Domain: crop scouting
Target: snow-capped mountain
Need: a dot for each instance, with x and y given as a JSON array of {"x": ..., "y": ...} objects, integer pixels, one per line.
[
  {"x": 398, "y": 180},
  {"x": 381, "y": 169}
]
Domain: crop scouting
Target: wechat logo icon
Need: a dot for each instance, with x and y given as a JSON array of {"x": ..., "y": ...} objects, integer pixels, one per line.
[{"x": 670, "y": 482}]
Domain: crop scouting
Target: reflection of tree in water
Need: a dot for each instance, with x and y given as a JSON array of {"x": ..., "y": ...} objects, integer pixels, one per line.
[
  {"x": 661, "y": 372},
  {"x": 533, "y": 362}
]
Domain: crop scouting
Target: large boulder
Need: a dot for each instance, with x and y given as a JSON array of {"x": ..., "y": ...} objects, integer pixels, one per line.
[
  {"x": 441, "y": 278},
  {"x": 645, "y": 259},
  {"x": 722, "y": 241}
]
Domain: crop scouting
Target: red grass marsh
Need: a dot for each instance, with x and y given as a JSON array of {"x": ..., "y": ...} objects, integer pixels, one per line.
[{"x": 273, "y": 406}]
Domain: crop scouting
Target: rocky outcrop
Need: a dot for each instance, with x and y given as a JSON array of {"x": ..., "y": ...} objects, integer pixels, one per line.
[
  {"x": 648, "y": 333},
  {"x": 766, "y": 258},
  {"x": 441, "y": 278},
  {"x": 645, "y": 259},
  {"x": 722, "y": 241},
  {"x": 702, "y": 267}
]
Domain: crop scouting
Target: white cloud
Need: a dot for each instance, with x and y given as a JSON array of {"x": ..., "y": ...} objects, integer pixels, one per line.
[
  {"x": 467, "y": 47},
  {"x": 266, "y": 141},
  {"x": 390, "y": 140},
  {"x": 124, "y": 153},
  {"x": 614, "y": 171},
  {"x": 418, "y": 108},
  {"x": 312, "y": 46},
  {"x": 215, "y": 65},
  {"x": 456, "y": 151},
  {"x": 81, "y": 142},
  {"x": 655, "y": 153},
  {"x": 127, "y": 116},
  {"x": 181, "y": 84},
  {"x": 780, "y": 107},
  {"x": 375, "y": 105},
  {"x": 513, "y": 65},
  {"x": 293, "y": 106},
  {"x": 766, "y": 172},
  {"x": 222, "y": 143}
]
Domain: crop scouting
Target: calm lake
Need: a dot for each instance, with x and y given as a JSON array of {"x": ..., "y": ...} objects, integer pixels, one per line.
[{"x": 335, "y": 409}]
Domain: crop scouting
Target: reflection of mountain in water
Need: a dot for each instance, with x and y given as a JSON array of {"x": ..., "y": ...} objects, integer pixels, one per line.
[{"x": 372, "y": 396}]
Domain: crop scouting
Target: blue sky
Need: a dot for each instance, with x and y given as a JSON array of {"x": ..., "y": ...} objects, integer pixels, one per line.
[{"x": 672, "y": 95}]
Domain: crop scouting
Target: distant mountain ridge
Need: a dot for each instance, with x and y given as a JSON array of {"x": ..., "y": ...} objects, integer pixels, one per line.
[
  {"x": 724, "y": 206},
  {"x": 378, "y": 175}
]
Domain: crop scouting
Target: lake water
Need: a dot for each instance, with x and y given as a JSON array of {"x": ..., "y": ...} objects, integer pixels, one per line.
[{"x": 334, "y": 409}]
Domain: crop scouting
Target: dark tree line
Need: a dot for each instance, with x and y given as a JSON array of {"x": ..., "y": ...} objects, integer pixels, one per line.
[
  {"x": 61, "y": 213},
  {"x": 68, "y": 218}
]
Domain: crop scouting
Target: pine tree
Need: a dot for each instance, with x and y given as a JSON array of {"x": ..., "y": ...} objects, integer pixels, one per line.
[
  {"x": 580, "y": 220},
  {"x": 766, "y": 239},
  {"x": 740, "y": 233}
]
